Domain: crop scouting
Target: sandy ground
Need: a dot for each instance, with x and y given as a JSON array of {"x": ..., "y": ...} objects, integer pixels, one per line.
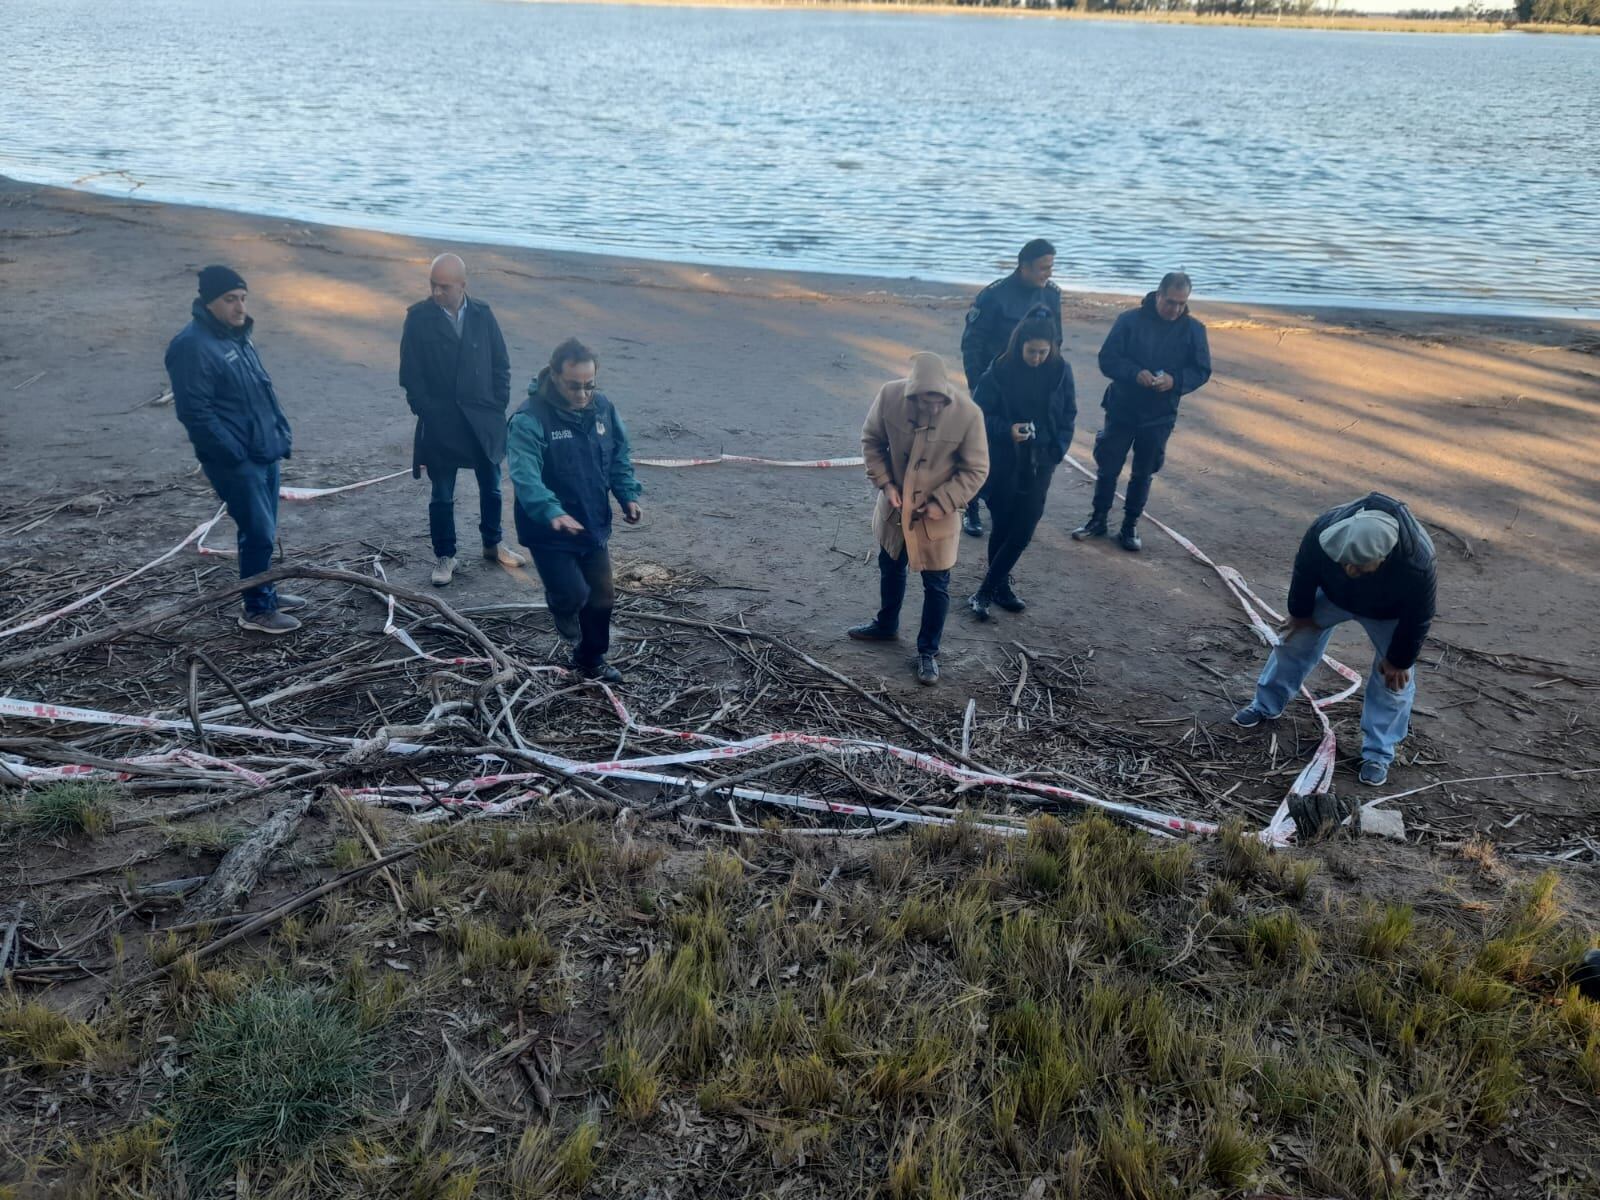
[{"x": 1485, "y": 426}]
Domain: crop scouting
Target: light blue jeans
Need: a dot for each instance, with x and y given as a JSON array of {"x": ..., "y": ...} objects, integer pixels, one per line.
[{"x": 1385, "y": 714}]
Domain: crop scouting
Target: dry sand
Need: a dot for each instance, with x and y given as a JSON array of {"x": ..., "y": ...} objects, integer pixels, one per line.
[{"x": 1485, "y": 426}]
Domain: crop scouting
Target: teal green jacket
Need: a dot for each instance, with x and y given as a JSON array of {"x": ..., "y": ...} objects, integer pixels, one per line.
[{"x": 566, "y": 461}]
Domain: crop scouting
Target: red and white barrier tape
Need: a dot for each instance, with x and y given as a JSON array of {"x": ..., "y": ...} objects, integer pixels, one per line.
[
  {"x": 749, "y": 460},
  {"x": 301, "y": 493},
  {"x": 196, "y": 535}
]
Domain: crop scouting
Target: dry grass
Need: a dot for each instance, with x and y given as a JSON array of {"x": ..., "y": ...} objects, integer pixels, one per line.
[{"x": 944, "y": 1016}]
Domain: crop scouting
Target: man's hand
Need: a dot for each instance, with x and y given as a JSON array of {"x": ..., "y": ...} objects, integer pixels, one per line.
[
  {"x": 565, "y": 524},
  {"x": 1145, "y": 379},
  {"x": 1164, "y": 382},
  {"x": 1394, "y": 678},
  {"x": 632, "y": 513},
  {"x": 935, "y": 511},
  {"x": 1020, "y": 432},
  {"x": 893, "y": 493}
]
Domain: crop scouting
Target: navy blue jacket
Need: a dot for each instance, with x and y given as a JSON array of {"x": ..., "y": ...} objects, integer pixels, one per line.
[
  {"x": 1403, "y": 589},
  {"x": 1012, "y": 465},
  {"x": 1140, "y": 340},
  {"x": 223, "y": 394},
  {"x": 995, "y": 313},
  {"x": 459, "y": 386},
  {"x": 570, "y": 461}
]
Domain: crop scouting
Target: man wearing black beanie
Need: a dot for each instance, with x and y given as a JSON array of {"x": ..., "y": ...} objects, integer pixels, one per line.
[{"x": 225, "y": 400}]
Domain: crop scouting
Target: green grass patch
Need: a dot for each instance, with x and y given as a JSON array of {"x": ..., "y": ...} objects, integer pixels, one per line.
[
  {"x": 266, "y": 1077},
  {"x": 60, "y": 810}
]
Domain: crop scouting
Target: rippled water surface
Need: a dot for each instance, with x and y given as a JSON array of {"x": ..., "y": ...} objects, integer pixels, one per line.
[{"x": 1434, "y": 170}]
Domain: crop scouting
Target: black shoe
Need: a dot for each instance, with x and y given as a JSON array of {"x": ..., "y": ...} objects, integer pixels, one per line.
[
  {"x": 972, "y": 520},
  {"x": 601, "y": 671},
  {"x": 567, "y": 626},
  {"x": 927, "y": 669},
  {"x": 1007, "y": 599},
  {"x": 872, "y": 632},
  {"x": 1128, "y": 539},
  {"x": 1095, "y": 526},
  {"x": 978, "y": 602}
]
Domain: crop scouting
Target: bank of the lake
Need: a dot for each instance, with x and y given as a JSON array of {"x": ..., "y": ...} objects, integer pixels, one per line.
[{"x": 1350, "y": 23}]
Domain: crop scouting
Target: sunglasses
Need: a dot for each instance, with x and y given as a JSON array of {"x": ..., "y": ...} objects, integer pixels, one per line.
[{"x": 574, "y": 386}]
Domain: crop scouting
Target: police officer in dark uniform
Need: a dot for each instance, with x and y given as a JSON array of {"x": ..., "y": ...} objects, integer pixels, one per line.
[
  {"x": 569, "y": 456},
  {"x": 1024, "y": 294}
]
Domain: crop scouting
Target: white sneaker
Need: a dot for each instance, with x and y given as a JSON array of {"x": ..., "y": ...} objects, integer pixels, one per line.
[
  {"x": 504, "y": 555},
  {"x": 444, "y": 571}
]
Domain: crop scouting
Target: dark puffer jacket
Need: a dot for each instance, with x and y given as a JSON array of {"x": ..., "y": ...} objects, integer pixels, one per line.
[
  {"x": 1015, "y": 466},
  {"x": 223, "y": 394},
  {"x": 1403, "y": 589},
  {"x": 1141, "y": 340}
]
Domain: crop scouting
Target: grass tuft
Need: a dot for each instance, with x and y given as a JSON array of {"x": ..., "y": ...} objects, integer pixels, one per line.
[
  {"x": 266, "y": 1077},
  {"x": 539, "y": 1167},
  {"x": 60, "y": 810},
  {"x": 42, "y": 1039}
]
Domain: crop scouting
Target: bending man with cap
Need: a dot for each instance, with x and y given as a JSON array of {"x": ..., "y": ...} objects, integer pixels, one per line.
[
  {"x": 226, "y": 402},
  {"x": 1369, "y": 561},
  {"x": 457, "y": 377},
  {"x": 928, "y": 455}
]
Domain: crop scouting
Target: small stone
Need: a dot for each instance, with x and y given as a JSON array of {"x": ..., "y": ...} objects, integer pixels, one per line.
[{"x": 1383, "y": 822}]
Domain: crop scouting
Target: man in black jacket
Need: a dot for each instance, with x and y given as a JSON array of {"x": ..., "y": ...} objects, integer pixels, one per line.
[
  {"x": 1025, "y": 294},
  {"x": 225, "y": 399},
  {"x": 457, "y": 378},
  {"x": 1154, "y": 356},
  {"x": 1368, "y": 561}
]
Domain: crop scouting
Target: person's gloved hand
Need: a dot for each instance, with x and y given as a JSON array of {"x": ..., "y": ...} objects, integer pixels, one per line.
[{"x": 1318, "y": 815}]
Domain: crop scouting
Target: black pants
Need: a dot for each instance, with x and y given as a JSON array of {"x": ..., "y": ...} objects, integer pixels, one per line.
[
  {"x": 1148, "y": 441},
  {"x": 892, "y": 594},
  {"x": 580, "y": 585},
  {"x": 1016, "y": 514}
]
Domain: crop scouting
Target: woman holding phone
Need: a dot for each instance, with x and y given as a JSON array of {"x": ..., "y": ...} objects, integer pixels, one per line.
[{"x": 1030, "y": 408}]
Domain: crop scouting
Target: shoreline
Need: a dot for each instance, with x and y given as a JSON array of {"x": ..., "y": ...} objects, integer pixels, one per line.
[
  {"x": 1375, "y": 23},
  {"x": 822, "y": 276}
]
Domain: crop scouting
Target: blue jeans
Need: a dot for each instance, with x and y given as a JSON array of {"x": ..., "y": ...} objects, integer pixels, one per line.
[
  {"x": 250, "y": 490},
  {"x": 1385, "y": 714},
  {"x": 892, "y": 594},
  {"x": 442, "y": 507}
]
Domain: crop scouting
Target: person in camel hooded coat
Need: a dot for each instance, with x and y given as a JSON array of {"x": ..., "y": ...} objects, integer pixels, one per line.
[{"x": 927, "y": 453}]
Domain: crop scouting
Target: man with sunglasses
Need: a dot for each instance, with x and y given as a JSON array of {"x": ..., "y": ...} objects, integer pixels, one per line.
[
  {"x": 457, "y": 379},
  {"x": 569, "y": 456}
]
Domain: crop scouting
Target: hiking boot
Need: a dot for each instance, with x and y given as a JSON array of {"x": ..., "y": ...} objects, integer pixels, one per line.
[
  {"x": 927, "y": 669},
  {"x": 600, "y": 672},
  {"x": 979, "y": 603},
  {"x": 1374, "y": 774},
  {"x": 1094, "y": 527},
  {"x": 1128, "y": 539},
  {"x": 1008, "y": 599},
  {"x": 1249, "y": 717},
  {"x": 972, "y": 520},
  {"x": 872, "y": 632},
  {"x": 444, "y": 570},
  {"x": 504, "y": 555},
  {"x": 272, "y": 623},
  {"x": 289, "y": 603},
  {"x": 567, "y": 626}
]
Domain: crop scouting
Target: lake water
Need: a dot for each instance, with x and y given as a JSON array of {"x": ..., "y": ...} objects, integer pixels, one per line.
[{"x": 1435, "y": 170}]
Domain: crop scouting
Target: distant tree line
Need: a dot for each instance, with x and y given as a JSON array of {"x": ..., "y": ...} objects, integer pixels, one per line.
[{"x": 1561, "y": 12}]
